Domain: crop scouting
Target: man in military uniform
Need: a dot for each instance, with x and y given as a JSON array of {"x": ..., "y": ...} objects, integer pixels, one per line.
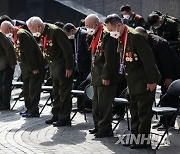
[
  {"x": 104, "y": 75},
  {"x": 7, "y": 65},
  {"x": 31, "y": 63},
  {"x": 138, "y": 63},
  {"x": 165, "y": 28},
  {"x": 59, "y": 54},
  {"x": 132, "y": 19}
]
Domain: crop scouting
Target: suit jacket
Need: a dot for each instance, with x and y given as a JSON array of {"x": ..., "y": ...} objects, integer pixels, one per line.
[
  {"x": 84, "y": 55},
  {"x": 167, "y": 59}
]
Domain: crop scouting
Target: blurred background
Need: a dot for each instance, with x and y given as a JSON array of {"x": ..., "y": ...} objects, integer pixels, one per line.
[{"x": 74, "y": 10}]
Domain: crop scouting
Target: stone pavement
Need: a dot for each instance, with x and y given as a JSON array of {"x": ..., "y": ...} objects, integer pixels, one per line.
[{"x": 32, "y": 136}]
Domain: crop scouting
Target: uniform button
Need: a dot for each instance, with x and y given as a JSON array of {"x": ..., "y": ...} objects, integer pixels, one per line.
[{"x": 126, "y": 74}]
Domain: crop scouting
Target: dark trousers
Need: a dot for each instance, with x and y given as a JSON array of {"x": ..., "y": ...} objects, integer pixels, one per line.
[
  {"x": 32, "y": 90},
  {"x": 120, "y": 109},
  {"x": 168, "y": 101},
  {"x": 80, "y": 76},
  {"x": 102, "y": 107},
  {"x": 6, "y": 76},
  {"x": 62, "y": 86},
  {"x": 141, "y": 113}
]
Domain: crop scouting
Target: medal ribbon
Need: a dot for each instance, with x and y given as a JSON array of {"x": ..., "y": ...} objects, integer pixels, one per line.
[
  {"x": 96, "y": 39},
  {"x": 124, "y": 40},
  {"x": 44, "y": 44}
]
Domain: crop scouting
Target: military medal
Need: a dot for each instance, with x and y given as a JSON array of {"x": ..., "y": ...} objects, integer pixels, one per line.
[
  {"x": 130, "y": 59},
  {"x": 50, "y": 43},
  {"x": 127, "y": 59},
  {"x": 135, "y": 57}
]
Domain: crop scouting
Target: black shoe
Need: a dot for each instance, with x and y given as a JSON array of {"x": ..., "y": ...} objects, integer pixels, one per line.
[
  {"x": 127, "y": 144},
  {"x": 93, "y": 131},
  {"x": 140, "y": 146},
  {"x": 157, "y": 125},
  {"x": 23, "y": 112},
  {"x": 30, "y": 115},
  {"x": 104, "y": 134},
  {"x": 50, "y": 121},
  {"x": 61, "y": 123},
  {"x": 5, "y": 107}
]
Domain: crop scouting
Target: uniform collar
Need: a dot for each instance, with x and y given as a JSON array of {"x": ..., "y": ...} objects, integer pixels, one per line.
[{"x": 46, "y": 28}]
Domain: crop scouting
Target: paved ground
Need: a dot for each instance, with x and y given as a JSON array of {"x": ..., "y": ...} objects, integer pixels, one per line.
[{"x": 31, "y": 136}]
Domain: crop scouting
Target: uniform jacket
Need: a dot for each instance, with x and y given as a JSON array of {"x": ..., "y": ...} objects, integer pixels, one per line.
[
  {"x": 7, "y": 53},
  {"x": 168, "y": 30},
  {"x": 135, "y": 20},
  {"x": 141, "y": 69},
  {"x": 105, "y": 61},
  {"x": 28, "y": 53},
  {"x": 167, "y": 59},
  {"x": 57, "y": 47}
]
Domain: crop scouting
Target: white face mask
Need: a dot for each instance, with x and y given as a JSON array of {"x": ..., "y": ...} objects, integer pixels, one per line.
[
  {"x": 36, "y": 34},
  {"x": 156, "y": 27},
  {"x": 126, "y": 16},
  {"x": 115, "y": 34},
  {"x": 91, "y": 31},
  {"x": 10, "y": 36},
  {"x": 71, "y": 37}
]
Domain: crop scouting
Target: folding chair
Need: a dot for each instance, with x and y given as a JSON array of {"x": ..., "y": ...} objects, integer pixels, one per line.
[
  {"x": 89, "y": 96},
  {"x": 174, "y": 89},
  {"x": 47, "y": 89},
  {"x": 17, "y": 84},
  {"x": 118, "y": 102},
  {"x": 77, "y": 93}
]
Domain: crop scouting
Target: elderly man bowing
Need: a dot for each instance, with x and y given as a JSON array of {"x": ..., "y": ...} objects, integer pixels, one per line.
[
  {"x": 104, "y": 75},
  {"x": 32, "y": 65},
  {"x": 59, "y": 54}
]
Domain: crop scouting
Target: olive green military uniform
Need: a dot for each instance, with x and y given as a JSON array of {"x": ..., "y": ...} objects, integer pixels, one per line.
[
  {"x": 7, "y": 60},
  {"x": 170, "y": 31},
  {"x": 104, "y": 66},
  {"x": 59, "y": 53},
  {"x": 30, "y": 58},
  {"x": 140, "y": 70},
  {"x": 135, "y": 20}
]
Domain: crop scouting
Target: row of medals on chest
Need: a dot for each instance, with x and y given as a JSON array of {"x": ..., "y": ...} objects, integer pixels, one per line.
[
  {"x": 129, "y": 56},
  {"x": 40, "y": 43}
]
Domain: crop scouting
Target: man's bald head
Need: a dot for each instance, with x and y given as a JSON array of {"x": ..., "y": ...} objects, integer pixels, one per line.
[
  {"x": 34, "y": 21},
  {"x": 92, "y": 23},
  {"x": 92, "y": 18},
  {"x": 7, "y": 27},
  {"x": 35, "y": 24}
]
